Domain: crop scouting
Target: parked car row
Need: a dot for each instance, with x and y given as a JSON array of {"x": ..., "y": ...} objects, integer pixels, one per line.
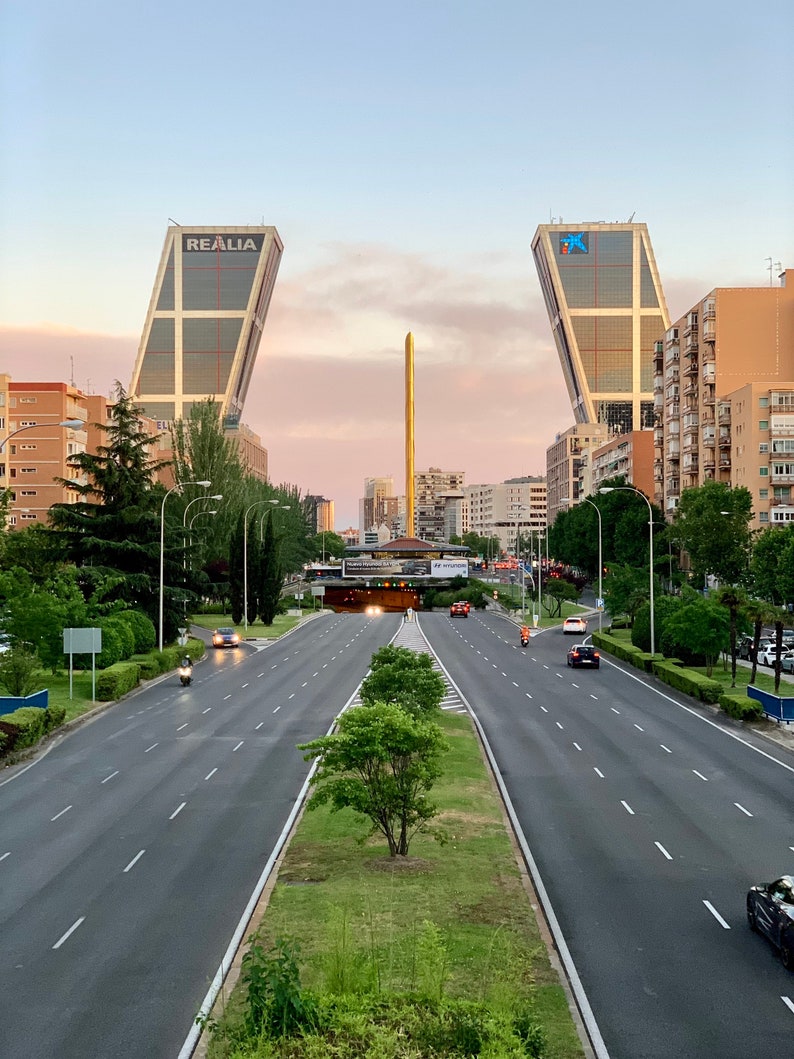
[{"x": 767, "y": 651}]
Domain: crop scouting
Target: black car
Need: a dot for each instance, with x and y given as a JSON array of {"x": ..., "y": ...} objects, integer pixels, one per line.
[
  {"x": 584, "y": 654},
  {"x": 770, "y": 910}
]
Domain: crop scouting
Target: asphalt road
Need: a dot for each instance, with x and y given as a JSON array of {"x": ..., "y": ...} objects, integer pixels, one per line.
[
  {"x": 128, "y": 851},
  {"x": 648, "y": 820}
]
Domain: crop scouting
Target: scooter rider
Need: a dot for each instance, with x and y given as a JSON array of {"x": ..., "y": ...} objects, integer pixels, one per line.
[{"x": 524, "y": 634}]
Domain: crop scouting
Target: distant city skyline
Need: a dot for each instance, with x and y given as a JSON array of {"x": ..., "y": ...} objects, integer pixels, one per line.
[{"x": 406, "y": 156}]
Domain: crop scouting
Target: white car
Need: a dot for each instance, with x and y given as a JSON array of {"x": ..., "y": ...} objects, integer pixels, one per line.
[
  {"x": 766, "y": 657},
  {"x": 574, "y": 625}
]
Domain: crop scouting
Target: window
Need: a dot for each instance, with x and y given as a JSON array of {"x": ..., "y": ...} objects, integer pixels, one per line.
[
  {"x": 763, "y": 516},
  {"x": 27, "y": 492},
  {"x": 764, "y": 472},
  {"x": 27, "y": 470},
  {"x": 28, "y": 447},
  {"x": 28, "y": 423},
  {"x": 763, "y": 424},
  {"x": 763, "y": 402},
  {"x": 763, "y": 494}
]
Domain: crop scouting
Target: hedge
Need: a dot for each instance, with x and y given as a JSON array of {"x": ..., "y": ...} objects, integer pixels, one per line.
[
  {"x": 117, "y": 680},
  {"x": 24, "y": 727}
]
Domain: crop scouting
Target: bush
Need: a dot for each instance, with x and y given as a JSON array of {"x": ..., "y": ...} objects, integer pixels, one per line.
[
  {"x": 148, "y": 665},
  {"x": 111, "y": 647},
  {"x": 117, "y": 680},
  {"x": 741, "y": 708},
  {"x": 123, "y": 630},
  {"x": 24, "y": 726},
  {"x": 142, "y": 628},
  {"x": 167, "y": 659},
  {"x": 54, "y": 716}
]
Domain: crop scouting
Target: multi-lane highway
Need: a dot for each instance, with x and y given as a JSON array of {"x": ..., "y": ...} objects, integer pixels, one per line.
[
  {"x": 648, "y": 820},
  {"x": 128, "y": 852}
]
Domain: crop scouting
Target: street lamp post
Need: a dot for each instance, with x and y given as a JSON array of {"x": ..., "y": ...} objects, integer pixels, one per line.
[
  {"x": 517, "y": 512},
  {"x": 600, "y": 604},
  {"x": 218, "y": 496},
  {"x": 633, "y": 489},
  {"x": 69, "y": 424},
  {"x": 190, "y": 527},
  {"x": 174, "y": 488}
]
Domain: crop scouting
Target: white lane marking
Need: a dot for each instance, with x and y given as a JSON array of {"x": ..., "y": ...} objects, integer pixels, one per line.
[
  {"x": 177, "y": 811},
  {"x": 258, "y": 675},
  {"x": 742, "y": 808},
  {"x": 244, "y": 686},
  {"x": 210, "y": 774},
  {"x": 574, "y": 685},
  {"x": 135, "y": 860},
  {"x": 316, "y": 674},
  {"x": 592, "y": 696},
  {"x": 325, "y": 665},
  {"x": 666, "y": 749},
  {"x": 66, "y": 810},
  {"x": 527, "y": 695},
  {"x": 615, "y": 711},
  {"x": 558, "y": 675},
  {"x": 791, "y": 848},
  {"x": 788, "y": 1002},
  {"x": 179, "y": 729},
  {"x": 5, "y": 855},
  {"x": 69, "y": 932},
  {"x": 546, "y": 667},
  {"x": 146, "y": 751},
  {"x": 559, "y": 726},
  {"x": 660, "y": 847},
  {"x": 514, "y": 684},
  {"x": 700, "y": 774},
  {"x": 627, "y": 807},
  {"x": 716, "y": 915},
  {"x": 276, "y": 709},
  {"x": 238, "y": 745},
  {"x": 256, "y": 729},
  {"x": 274, "y": 666},
  {"x": 577, "y": 746},
  {"x": 598, "y": 772},
  {"x": 544, "y": 709},
  {"x": 207, "y": 710},
  {"x": 110, "y": 777},
  {"x": 303, "y": 685},
  {"x": 638, "y": 728},
  {"x": 225, "y": 697},
  {"x": 292, "y": 696}
]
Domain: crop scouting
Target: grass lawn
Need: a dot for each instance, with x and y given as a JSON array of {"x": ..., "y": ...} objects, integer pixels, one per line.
[
  {"x": 281, "y": 623},
  {"x": 362, "y": 918}
]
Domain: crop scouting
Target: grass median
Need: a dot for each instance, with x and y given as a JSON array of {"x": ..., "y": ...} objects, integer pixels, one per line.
[{"x": 387, "y": 940}]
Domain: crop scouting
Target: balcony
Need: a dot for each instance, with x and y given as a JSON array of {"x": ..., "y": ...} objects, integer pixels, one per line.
[
  {"x": 708, "y": 396},
  {"x": 673, "y": 486},
  {"x": 708, "y": 310},
  {"x": 724, "y": 418},
  {"x": 708, "y": 462},
  {"x": 782, "y": 479},
  {"x": 725, "y": 441},
  {"x": 709, "y": 333},
  {"x": 725, "y": 462},
  {"x": 709, "y": 440},
  {"x": 691, "y": 325},
  {"x": 691, "y": 369},
  {"x": 670, "y": 336},
  {"x": 709, "y": 374}
]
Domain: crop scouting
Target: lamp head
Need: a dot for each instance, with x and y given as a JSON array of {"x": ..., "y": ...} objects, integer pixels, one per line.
[{"x": 72, "y": 424}]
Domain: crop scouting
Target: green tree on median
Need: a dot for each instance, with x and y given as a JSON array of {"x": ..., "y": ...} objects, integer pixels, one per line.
[
  {"x": 404, "y": 677},
  {"x": 381, "y": 762}
]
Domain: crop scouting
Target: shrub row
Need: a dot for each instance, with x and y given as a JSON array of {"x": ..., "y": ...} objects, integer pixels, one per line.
[
  {"x": 27, "y": 725},
  {"x": 687, "y": 681}
]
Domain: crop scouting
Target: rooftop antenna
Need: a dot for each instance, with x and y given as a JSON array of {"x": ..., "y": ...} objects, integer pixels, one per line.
[
  {"x": 779, "y": 267},
  {"x": 769, "y": 269},
  {"x": 71, "y": 361},
  {"x": 171, "y": 219},
  {"x": 631, "y": 218}
]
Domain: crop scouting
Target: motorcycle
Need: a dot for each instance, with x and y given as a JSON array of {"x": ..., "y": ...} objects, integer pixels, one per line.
[
  {"x": 524, "y": 640},
  {"x": 185, "y": 675}
]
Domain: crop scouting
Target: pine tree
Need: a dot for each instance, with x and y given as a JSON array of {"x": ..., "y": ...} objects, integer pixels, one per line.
[{"x": 271, "y": 577}]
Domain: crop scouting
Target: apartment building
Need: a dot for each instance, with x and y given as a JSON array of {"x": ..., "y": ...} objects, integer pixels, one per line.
[
  {"x": 732, "y": 339},
  {"x": 432, "y": 488},
  {"x": 569, "y": 464},
  {"x": 630, "y": 455},
  {"x": 505, "y": 509}
]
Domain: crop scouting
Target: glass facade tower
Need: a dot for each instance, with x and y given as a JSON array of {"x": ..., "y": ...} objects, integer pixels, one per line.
[
  {"x": 205, "y": 320},
  {"x": 606, "y": 308}
]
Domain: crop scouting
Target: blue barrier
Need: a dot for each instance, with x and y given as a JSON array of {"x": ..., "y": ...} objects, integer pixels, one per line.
[
  {"x": 9, "y": 703},
  {"x": 778, "y": 707}
]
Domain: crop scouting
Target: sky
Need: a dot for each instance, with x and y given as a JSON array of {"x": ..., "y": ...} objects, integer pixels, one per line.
[{"x": 406, "y": 153}]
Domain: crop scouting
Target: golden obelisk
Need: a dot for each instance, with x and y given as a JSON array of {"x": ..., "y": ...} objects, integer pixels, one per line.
[{"x": 409, "y": 435}]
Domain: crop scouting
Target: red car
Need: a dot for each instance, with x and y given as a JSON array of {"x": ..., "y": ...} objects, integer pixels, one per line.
[{"x": 460, "y": 609}]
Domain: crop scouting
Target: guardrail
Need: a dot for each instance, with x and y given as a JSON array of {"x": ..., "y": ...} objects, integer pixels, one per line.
[{"x": 779, "y": 707}]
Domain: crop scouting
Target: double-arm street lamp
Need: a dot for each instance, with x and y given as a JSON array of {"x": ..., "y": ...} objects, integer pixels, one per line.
[
  {"x": 517, "y": 512},
  {"x": 600, "y": 604},
  {"x": 70, "y": 424},
  {"x": 633, "y": 489},
  {"x": 218, "y": 496},
  {"x": 250, "y": 508},
  {"x": 179, "y": 486}
]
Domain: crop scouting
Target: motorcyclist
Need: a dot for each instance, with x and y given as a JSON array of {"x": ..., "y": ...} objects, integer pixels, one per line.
[
  {"x": 186, "y": 663},
  {"x": 524, "y": 634}
]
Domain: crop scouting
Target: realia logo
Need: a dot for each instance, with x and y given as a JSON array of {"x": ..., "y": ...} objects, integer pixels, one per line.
[{"x": 575, "y": 243}]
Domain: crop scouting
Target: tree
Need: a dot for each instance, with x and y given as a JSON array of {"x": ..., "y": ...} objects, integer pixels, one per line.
[
  {"x": 663, "y": 608},
  {"x": 734, "y": 599},
  {"x": 18, "y": 670},
  {"x": 559, "y": 591},
  {"x": 712, "y": 524},
  {"x": 326, "y": 546},
  {"x": 236, "y": 566},
  {"x": 381, "y": 762},
  {"x": 404, "y": 677},
  {"x": 625, "y": 590},
  {"x": 270, "y": 577},
  {"x": 114, "y": 529},
  {"x": 701, "y": 627},
  {"x": 758, "y": 612},
  {"x": 37, "y": 614},
  {"x": 769, "y": 547}
]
